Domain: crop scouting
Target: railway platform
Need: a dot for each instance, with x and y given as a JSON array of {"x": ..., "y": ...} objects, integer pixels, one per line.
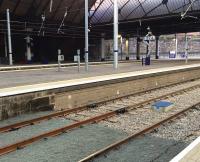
[
  {"x": 37, "y": 74},
  {"x": 190, "y": 153},
  {"x": 20, "y": 90}
]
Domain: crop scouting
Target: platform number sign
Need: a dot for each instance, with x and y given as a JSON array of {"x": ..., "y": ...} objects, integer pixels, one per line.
[{"x": 149, "y": 38}]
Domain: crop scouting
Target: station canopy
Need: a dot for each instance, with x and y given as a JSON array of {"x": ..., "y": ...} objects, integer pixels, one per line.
[
  {"x": 102, "y": 10},
  {"x": 134, "y": 15}
]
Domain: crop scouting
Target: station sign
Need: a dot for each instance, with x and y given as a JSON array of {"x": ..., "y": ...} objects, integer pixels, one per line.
[
  {"x": 150, "y": 38},
  {"x": 76, "y": 58},
  {"x": 172, "y": 54},
  {"x": 61, "y": 57}
]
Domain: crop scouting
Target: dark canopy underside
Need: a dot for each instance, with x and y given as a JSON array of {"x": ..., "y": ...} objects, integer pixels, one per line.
[{"x": 134, "y": 15}]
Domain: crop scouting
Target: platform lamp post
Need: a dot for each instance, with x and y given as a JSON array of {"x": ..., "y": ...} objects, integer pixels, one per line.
[
  {"x": 28, "y": 49},
  {"x": 157, "y": 47},
  {"x": 86, "y": 37},
  {"x": 9, "y": 38},
  {"x": 116, "y": 32},
  {"x": 127, "y": 47},
  {"x": 176, "y": 45},
  {"x": 103, "y": 47}
]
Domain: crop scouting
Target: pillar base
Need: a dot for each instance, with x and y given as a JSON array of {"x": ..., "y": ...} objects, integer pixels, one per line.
[
  {"x": 103, "y": 59},
  {"x": 29, "y": 62},
  {"x": 138, "y": 58}
]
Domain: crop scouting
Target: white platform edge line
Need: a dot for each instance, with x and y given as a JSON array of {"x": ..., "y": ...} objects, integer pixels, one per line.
[
  {"x": 60, "y": 84},
  {"x": 51, "y": 65},
  {"x": 182, "y": 154},
  {"x": 74, "y": 64}
]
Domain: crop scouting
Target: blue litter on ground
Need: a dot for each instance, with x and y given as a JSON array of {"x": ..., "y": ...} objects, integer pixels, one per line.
[{"x": 162, "y": 105}]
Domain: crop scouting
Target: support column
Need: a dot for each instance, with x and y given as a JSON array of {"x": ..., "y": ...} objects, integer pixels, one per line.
[
  {"x": 121, "y": 46},
  {"x": 147, "y": 49},
  {"x": 186, "y": 48},
  {"x": 9, "y": 38},
  {"x": 86, "y": 37},
  {"x": 157, "y": 47},
  {"x": 176, "y": 45},
  {"x": 127, "y": 49},
  {"x": 138, "y": 49},
  {"x": 116, "y": 34},
  {"x": 5, "y": 46},
  {"x": 103, "y": 47},
  {"x": 28, "y": 49}
]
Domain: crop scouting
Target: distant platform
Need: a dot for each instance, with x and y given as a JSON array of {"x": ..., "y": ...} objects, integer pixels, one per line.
[
  {"x": 25, "y": 67},
  {"x": 189, "y": 154},
  {"x": 13, "y": 78},
  {"x": 70, "y": 88},
  {"x": 20, "y": 67},
  {"x": 14, "y": 83}
]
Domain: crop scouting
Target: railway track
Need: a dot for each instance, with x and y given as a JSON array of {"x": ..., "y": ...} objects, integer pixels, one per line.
[
  {"x": 22, "y": 124},
  {"x": 77, "y": 124},
  {"x": 117, "y": 144}
]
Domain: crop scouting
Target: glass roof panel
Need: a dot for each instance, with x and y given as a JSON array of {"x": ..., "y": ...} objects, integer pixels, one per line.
[{"x": 136, "y": 9}]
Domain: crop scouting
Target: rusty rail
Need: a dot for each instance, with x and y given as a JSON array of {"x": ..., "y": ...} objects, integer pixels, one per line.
[
  {"x": 39, "y": 119},
  {"x": 67, "y": 112},
  {"x": 133, "y": 136},
  {"x": 21, "y": 144}
]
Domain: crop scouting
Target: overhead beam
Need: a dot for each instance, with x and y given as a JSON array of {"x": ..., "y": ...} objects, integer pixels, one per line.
[
  {"x": 153, "y": 9},
  {"x": 96, "y": 10},
  {"x": 104, "y": 13},
  {"x": 16, "y": 6},
  {"x": 90, "y": 4},
  {"x": 191, "y": 6},
  {"x": 133, "y": 11},
  {"x": 168, "y": 9},
  {"x": 124, "y": 5},
  {"x": 45, "y": 7},
  {"x": 142, "y": 6},
  {"x": 57, "y": 9}
]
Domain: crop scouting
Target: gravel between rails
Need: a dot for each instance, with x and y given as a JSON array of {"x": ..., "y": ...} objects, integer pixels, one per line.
[
  {"x": 125, "y": 121},
  {"x": 111, "y": 106},
  {"x": 68, "y": 147},
  {"x": 141, "y": 118},
  {"x": 185, "y": 128},
  {"x": 23, "y": 117},
  {"x": 30, "y": 131},
  {"x": 161, "y": 145},
  {"x": 145, "y": 149}
]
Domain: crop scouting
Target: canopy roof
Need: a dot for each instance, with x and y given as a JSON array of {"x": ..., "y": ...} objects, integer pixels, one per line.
[
  {"x": 134, "y": 15},
  {"x": 33, "y": 9},
  {"x": 102, "y": 10}
]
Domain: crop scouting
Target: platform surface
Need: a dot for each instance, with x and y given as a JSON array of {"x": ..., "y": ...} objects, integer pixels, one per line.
[
  {"x": 39, "y": 80},
  {"x": 189, "y": 154},
  {"x": 15, "y": 78}
]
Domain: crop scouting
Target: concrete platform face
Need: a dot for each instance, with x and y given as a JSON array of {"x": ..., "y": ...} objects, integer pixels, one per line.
[
  {"x": 37, "y": 90},
  {"x": 36, "y": 76},
  {"x": 190, "y": 154}
]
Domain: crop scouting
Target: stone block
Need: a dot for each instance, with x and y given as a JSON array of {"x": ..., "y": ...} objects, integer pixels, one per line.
[{"x": 42, "y": 103}]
